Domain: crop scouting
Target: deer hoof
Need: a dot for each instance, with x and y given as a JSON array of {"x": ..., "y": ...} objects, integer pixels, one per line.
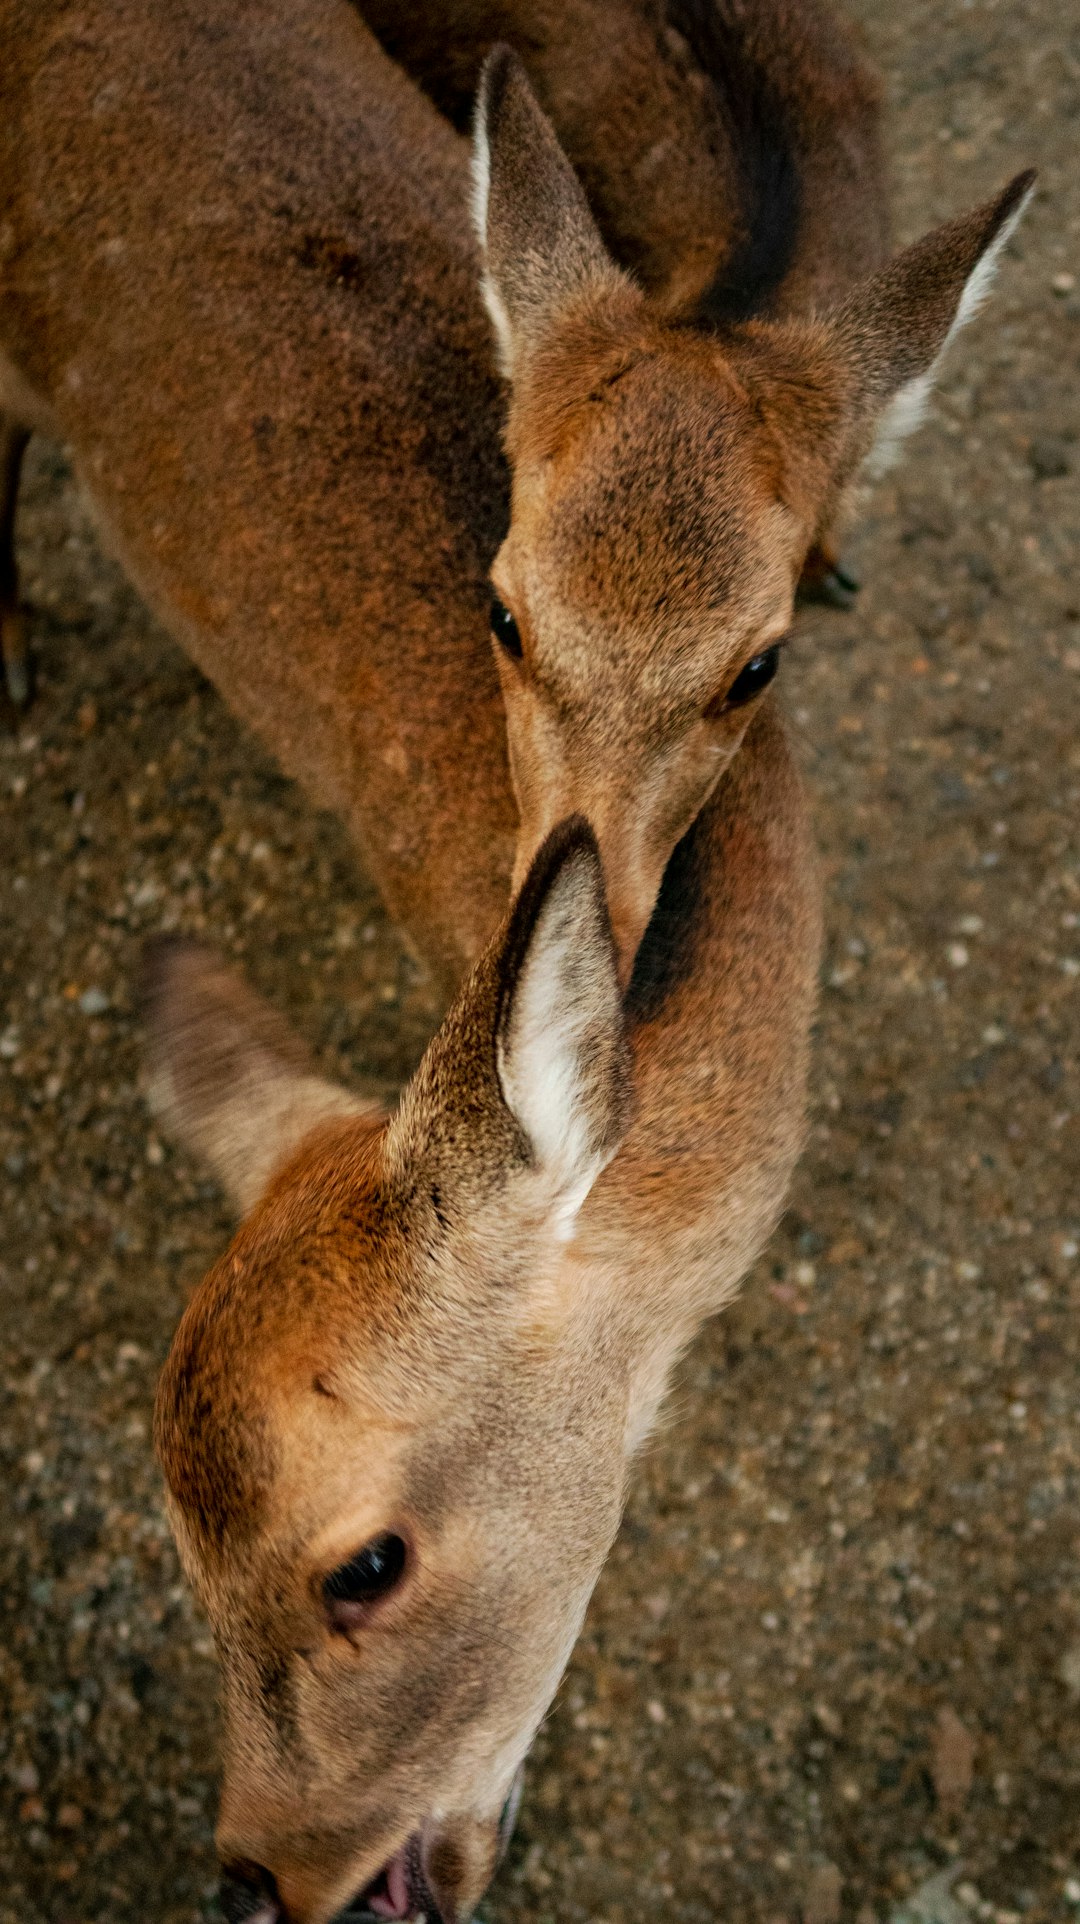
[
  {"x": 824, "y": 579},
  {"x": 837, "y": 588},
  {"x": 18, "y": 660}
]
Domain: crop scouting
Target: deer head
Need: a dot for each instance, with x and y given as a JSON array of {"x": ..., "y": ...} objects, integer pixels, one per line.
[
  {"x": 668, "y": 484},
  {"x": 393, "y": 1422}
]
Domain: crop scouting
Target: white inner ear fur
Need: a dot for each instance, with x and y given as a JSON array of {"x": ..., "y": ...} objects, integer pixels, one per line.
[
  {"x": 908, "y": 406},
  {"x": 901, "y": 416},
  {"x": 481, "y": 190},
  {"x": 542, "y": 1062}
]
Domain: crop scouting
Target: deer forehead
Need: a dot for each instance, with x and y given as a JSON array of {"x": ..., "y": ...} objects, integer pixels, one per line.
[
  {"x": 295, "y": 1435},
  {"x": 655, "y": 543},
  {"x": 255, "y": 1367},
  {"x": 618, "y": 655}
]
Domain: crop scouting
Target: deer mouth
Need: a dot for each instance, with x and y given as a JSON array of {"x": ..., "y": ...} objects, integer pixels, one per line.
[{"x": 399, "y": 1891}]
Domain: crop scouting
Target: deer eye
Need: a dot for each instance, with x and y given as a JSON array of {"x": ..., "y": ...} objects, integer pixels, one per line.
[
  {"x": 505, "y": 628},
  {"x": 367, "y": 1576},
  {"x": 751, "y": 680}
]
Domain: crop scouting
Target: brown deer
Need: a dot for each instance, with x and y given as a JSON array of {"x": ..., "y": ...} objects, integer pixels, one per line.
[
  {"x": 677, "y": 457},
  {"x": 398, "y": 1417},
  {"x": 727, "y": 390}
]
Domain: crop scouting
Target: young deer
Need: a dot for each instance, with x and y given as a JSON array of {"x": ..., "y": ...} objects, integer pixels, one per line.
[{"x": 398, "y": 1415}]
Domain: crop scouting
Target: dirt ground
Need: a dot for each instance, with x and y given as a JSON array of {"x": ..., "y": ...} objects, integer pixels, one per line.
[{"x": 834, "y": 1665}]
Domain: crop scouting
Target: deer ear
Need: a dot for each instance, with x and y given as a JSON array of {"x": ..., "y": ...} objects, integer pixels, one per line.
[
  {"x": 540, "y": 245},
  {"x": 561, "y": 1050},
  {"x": 898, "y": 325},
  {"x": 524, "y": 1094},
  {"x": 227, "y": 1078}
]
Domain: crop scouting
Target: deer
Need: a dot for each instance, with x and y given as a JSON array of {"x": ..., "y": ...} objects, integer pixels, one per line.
[
  {"x": 736, "y": 419},
  {"x": 398, "y": 1417},
  {"x": 739, "y": 335}
]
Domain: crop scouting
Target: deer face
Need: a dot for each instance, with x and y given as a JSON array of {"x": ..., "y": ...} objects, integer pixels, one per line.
[
  {"x": 668, "y": 485},
  {"x": 644, "y": 593},
  {"x": 395, "y": 1460}
]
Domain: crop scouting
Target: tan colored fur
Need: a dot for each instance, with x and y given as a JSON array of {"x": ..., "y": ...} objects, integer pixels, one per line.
[
  {"x": 409, "y": 1360},
  {"x": 671, "y": 481},
  {"x": 274, "y": 372}
]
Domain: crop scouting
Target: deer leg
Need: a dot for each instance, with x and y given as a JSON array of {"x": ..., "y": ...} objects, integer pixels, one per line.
[
  {"x": 18, "y": 666},
  {"x": 825, "y": 579}
]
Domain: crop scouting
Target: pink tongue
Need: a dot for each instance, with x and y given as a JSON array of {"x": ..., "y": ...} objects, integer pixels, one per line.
[{"x": 395, "y": 1903}]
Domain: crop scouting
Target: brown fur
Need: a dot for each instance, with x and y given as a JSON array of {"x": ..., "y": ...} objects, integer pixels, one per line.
[
  {"x": 331, "y": 441},
  {"x": 671, "y": 481},
  {"x": 274, "y": 374},
  {"x": 664, "y": 110},
  {"x": 251, "y": 363}
]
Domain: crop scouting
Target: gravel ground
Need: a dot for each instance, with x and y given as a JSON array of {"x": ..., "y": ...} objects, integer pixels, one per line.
[{"x": 834, "y": 1666}]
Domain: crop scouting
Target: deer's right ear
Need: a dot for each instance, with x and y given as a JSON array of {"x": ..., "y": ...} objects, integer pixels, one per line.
[
  {"x": 226, "y": 1076},
  {"x": 541, "y": 247},
  {"x": 561, "y": 1049}
]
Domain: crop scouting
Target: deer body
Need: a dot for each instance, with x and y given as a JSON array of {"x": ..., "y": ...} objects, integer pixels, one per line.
[
  {"x": 236, "y": 276},
  {"x": 730, "y": 153},
  {"x": 246, "y": 310},
  {"x": 299, "y": 323}
]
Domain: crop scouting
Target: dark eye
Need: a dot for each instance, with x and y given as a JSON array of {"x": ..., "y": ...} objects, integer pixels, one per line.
[
  {"x": 364, "y": 1579},
  {"x": 505, "y": 628},
  {"x": 757, "y": 675}
]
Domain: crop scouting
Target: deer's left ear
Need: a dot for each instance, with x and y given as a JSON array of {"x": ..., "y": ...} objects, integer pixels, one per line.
[
  {"x": 896, "y": 326},
  {"x": 561, "y": 1048},
  {"x": 540, "y": 244}
]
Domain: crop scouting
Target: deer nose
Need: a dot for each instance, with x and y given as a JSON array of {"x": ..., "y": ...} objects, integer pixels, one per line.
[{"x": 248, "y": 1895}]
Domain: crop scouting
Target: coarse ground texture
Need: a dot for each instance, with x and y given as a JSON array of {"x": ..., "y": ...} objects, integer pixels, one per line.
[{"x": 837, "y": 1649}]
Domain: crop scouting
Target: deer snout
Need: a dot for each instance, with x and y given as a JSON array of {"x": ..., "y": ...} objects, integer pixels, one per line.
[
  {"x": 438, "y": 1878},
  {"x": 439, "y": 1872}
]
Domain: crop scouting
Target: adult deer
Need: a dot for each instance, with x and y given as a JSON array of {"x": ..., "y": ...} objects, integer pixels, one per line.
[
  {"x": 298, "y": 320},
  {"x": 684, "y": 436}
]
